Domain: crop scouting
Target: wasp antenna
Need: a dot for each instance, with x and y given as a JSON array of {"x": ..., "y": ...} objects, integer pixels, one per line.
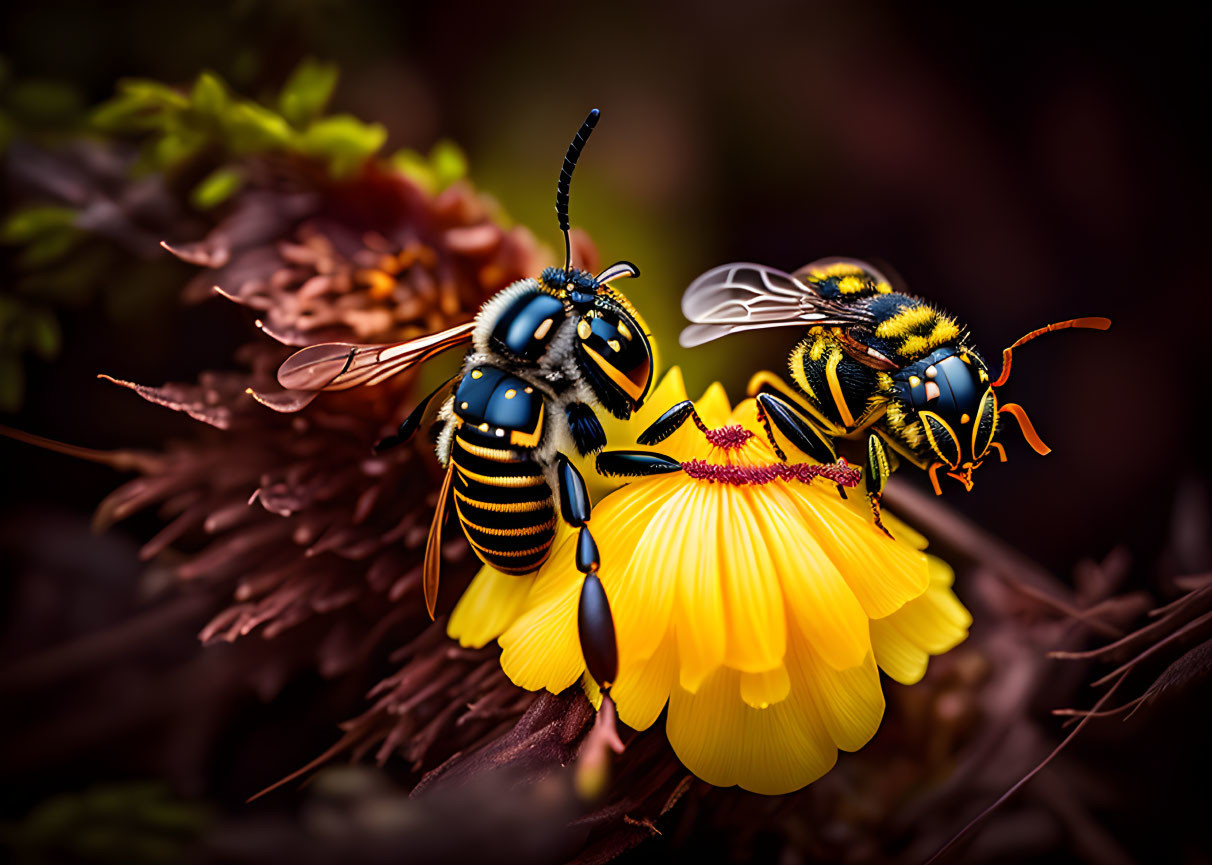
[
  {"x": 570, "y": 163},
  {"x": 1095, "y": 323}
]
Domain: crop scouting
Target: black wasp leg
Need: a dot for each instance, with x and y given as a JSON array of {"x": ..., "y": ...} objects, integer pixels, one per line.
[
  {"x": 635, "y": 464},
  {"x": 801, "y": 432},
  {"x": 794, "y": 427},
  {"x": 670, "y": 422},
  {"x": 595, "y": 624},
  {"x": 413, "y": 422},
  {"x": 586, "y": 429},
  {"x": 875, "y": 473}
]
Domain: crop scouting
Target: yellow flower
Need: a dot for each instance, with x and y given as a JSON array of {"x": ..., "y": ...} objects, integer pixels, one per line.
[{"x": 758, "y": 610}]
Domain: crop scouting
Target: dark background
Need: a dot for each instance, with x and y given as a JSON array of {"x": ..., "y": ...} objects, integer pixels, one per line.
[{"x": 1017, "y": 169}]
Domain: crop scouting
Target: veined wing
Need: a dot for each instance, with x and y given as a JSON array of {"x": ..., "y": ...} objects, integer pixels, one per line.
[
  {"x": 342, "y": 365},
  {"x": 745, "y": 296},
  {"x": 432, "y": 566}
]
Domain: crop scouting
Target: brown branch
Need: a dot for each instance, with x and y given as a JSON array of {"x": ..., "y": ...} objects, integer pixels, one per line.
[{"x": 978, "y": 545}]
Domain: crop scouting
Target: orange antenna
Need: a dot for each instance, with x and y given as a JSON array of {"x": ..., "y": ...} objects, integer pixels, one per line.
[
  {"x": 1028, "y": 429},
  {"x": 1097, "y": 323}
]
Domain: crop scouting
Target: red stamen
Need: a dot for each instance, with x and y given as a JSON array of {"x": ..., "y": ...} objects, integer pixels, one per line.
[
  {"x": 701, "y": 470},
  {"x": 728, "y": 437}
]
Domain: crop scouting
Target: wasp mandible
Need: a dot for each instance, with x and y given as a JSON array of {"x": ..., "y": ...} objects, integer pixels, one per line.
[{"x": 543, "y": 353}]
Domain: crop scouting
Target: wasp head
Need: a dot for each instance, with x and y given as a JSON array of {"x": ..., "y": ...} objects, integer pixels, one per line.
[{"x": 950, "y": 394}]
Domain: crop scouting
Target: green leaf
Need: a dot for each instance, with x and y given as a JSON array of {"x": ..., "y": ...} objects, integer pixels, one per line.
[
  {"x": 343, "y": 140},
  {"x": 48, "y": 247},
  {"x": 209, "y": 96},
  {"x": 307, "y": 92},
  {"x": 449, "y": 163},
  {"x": 139, "y": 104},
  {"x": 252, "y": 128},
  {"x": 30, "y": 222},
  {"x": 42, "y": 333},
  {"x": 219, "y": 186},
  {"x": 445, "y": 164},
  {"x": 12, "y": 383},
  {"x": 170, "y": 149},
  {"x": 416, "y": 168}
]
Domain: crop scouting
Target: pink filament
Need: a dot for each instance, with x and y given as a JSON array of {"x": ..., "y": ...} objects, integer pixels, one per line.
[
  {"x": 838, "y": 473},
  {"x": 728, "y": 437}
]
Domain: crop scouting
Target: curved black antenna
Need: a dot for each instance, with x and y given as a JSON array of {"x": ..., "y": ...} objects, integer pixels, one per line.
[{"x": 570, "y": 162}]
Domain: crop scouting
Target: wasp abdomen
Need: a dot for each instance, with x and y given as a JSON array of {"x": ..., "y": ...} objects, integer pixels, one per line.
[
  {"x": 501, "y": 494},
  {"x": 505, "y": 506}
]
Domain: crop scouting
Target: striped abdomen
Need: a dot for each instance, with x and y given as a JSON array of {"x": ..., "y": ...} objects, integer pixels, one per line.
[{"x": 503, "y": 501}]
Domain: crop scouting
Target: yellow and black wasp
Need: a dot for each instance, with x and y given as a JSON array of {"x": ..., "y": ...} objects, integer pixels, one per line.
[
  {"x": 543, "y": 353},
  {"x": 875, "y": 363}
]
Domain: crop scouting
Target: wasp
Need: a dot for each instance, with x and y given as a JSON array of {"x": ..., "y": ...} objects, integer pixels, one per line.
[
  {"x": 544, "y": 352},
  {"x": 876, "y": 365}
]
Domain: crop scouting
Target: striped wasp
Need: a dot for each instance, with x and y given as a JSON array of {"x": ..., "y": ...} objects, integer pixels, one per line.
[
  {"x": 543, "y": 353},
  {"x": 876, "y": 365}
]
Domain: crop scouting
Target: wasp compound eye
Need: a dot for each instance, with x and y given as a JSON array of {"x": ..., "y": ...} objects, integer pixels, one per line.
[
  {"x": 985, "y": 428},
  {"x": 526, "y": 326},
  {"x": 617, "y": 360},
  {"x": 941, "y": 437}
]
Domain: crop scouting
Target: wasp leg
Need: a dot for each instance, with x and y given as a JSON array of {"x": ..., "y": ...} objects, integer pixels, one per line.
[
  {"x": 412, "y": 423},
  {"x": 635, "y": 464},
  {"x": 670, "y": 422},
  {"x": 767, "y": 382},
  {"x": 595, "y": 624},
  {"x": 586, "y": 429},
  {"x": 875, "y": 473},
  {"x": 794, "y": 427}
]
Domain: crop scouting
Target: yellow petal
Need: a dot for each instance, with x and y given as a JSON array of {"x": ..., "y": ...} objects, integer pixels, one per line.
[
  {"x": 488, "y": 607},
  {"x": 897, "y": 656},
  {"x": 642, "y": 545},
  {"x": 753, "y": 599},
  {"x": 713, "y": 406},
  {"x": 725, "y": 742},
  {"x": 902, "y": 531},
  {"x": 930, "y": 625},
  {"x": 820, "y": 599},
  {"x": 698, "y": 614},
  {"x": 541, "y": 648},
  {"x": 850, "y": 702},
  {"x": 883, "y": 574},
  {"x": 642, "y": 689},
  {"x": 941, "y": 573},
  {"x": 706, "y": 728},
  {"x": 593, "y": 692},
  {"x": 762, "y": 690}
]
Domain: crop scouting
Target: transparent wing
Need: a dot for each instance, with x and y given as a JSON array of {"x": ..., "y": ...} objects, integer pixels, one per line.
[
  {"x": 342, "y": 365},
  {"x": 745, "y": 296}
]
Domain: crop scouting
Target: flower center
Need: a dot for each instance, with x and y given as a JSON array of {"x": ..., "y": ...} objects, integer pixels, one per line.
[
  {"x": 728, "y": 437},
  {"x": 838, "y": 473}
]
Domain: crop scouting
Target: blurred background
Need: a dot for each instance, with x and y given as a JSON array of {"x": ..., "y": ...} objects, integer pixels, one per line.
[{"x": 1016, "y": 169}]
